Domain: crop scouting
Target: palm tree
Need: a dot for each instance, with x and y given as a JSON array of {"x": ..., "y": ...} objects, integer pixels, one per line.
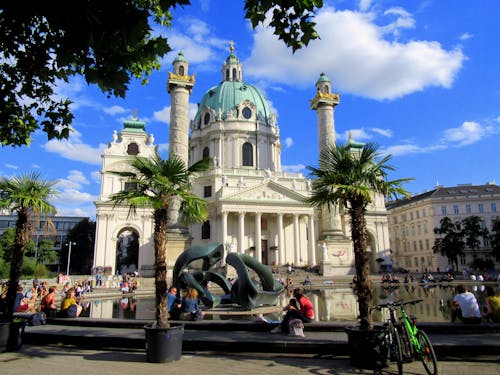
[
  {"x": 157, "y": 184},
  {"x": 28, "y": 196},
  {"x": 349, "y": 177}
]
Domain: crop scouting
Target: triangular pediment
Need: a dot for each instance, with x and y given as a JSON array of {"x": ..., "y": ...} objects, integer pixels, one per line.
[{"x": 270, "y": 192}]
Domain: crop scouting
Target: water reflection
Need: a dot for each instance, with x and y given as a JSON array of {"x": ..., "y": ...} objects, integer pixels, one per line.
[{"x": 332, "y": 304}]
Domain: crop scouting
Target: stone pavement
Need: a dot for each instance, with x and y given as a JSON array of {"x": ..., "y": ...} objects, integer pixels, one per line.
[
  {"x": 450, "y": 341},
  {"x": 36, "y": 360}
]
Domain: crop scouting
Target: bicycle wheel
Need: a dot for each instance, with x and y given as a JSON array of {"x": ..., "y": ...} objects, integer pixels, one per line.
[
  {"x": 406, "y": 343},
  {"x": 395, "y": 349},
  {"x": 427, "y": 355}
]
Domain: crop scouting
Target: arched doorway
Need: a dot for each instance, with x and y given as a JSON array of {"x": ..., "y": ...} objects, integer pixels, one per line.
[{"x": 127, "y": 251}]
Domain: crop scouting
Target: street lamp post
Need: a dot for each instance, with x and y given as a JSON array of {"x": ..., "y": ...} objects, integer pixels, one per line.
[{"x": 69, "y": 256}]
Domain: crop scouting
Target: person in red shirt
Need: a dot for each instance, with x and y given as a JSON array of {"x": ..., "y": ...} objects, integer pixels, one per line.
[
  {"x": 48, "y": 304},
  {"x": 303, "y": 310}
]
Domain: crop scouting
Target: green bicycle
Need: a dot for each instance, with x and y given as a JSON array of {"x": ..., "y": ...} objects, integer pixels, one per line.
[{"x": 405, "y": 341}]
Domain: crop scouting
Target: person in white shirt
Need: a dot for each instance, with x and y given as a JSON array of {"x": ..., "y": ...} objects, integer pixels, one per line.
[{"x": 465, "y": 306}]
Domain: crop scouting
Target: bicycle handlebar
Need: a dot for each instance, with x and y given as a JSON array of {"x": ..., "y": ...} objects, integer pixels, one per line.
[{"x": 396, "y": 304}]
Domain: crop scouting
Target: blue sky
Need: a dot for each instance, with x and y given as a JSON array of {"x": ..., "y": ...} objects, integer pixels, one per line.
[{"x": 419, "y": 78}]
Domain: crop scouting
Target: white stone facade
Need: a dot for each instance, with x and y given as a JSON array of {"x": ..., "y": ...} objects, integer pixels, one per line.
[
  {"x": 254, "y": 207},
  {"x": 412, "y": 222}
]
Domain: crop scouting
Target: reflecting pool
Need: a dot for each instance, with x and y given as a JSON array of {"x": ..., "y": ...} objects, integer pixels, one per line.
[{"x": 331, "y": 304}]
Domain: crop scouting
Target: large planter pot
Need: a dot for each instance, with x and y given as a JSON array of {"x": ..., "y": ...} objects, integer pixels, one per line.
[
  {"x": 11, "y": 335},
  {"x": 367, "y": 348},
  {"x": 164, "y": 344}
]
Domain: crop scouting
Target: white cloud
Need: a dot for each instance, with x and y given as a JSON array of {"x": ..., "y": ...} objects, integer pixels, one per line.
[
  {"x": 96, "y": 176},
  {"x": 194, "y": 38},
  {"x": 68, "y": 197},
  {"x": 466, "y": 36},
  {"x": 469, "y": 132},
  {"x": 85, "y": 211},
  {"x": 11, "y": 166},
  {"x": 383, "y": 132},
  {"x": 163, "y": 115},
  {"x": 293, "y": 168},
  {"x": 74, "y": 90},
  {"x": 355, "y": 134},
  {"x": 73, "y": 149},
  {"x": 404, "y": 20},
  {"x": 364, "y": 5},
  {"x": 395, "y": 69},
  {"x": 74, "y": 180},
  {"x": 115, "y": 110},
  {"x": 398, "y": 150},
  {"x": 205, "y": 4},
  {"x": 288, "y": 142}
]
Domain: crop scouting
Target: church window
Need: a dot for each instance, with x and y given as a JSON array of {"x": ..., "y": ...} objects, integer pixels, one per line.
[
  {"x": 206, "y": 118},
  {"x": 205, "y": 230},
  {"x": 263, "y": 224},
  {"x": 326, "y": 89},
  {"x": 247, "y": 113},
  {"x": 133, "y": 149},
  {"x": 207, "y": 191},
  {"x": 130, "y": 186},
  {"x": 181, "y": 70},
  {"x": 234, "y": 74},
  {"x": 227, "y": 74},
  {"x": 247, "y": 155},
  {"x": 206, "y": 153}
]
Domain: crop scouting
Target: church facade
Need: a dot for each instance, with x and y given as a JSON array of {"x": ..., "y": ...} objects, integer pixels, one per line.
[{"x": 254, "y": 206}]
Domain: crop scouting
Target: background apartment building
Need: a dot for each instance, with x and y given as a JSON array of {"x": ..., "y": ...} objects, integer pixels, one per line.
[
  {"x": 412, "y": 222},
  {"x": 62, "y": 224}
]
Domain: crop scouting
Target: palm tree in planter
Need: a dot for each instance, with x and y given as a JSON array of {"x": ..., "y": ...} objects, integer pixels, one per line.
[
  {"x": 157, "y": 184},
  {"x": 27, "y": 195},
  {"x": 349, "y": 176}
]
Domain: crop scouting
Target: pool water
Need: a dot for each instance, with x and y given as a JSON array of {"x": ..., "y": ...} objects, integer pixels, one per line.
[{"x": 330, "y": 304}]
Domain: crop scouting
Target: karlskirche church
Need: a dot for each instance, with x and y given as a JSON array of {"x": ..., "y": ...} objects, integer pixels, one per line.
[{"x": 254, "y": 206}]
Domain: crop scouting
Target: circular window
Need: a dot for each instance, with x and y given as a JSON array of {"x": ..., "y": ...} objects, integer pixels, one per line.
[{"x": 247, "y": 113}]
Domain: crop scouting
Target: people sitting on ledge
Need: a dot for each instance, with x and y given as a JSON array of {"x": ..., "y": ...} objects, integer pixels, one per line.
[
  {"x": 427, "y": 278},
  {"x": 465, "y": 307},
  {"x": 300, "y": 307},
  {"x": 69, "y": 307},
  {"x": 48, "y": 303},
  {"x": 492, "y": 307},
  {"x": 447, "y": 278},
  {"x": 409, "y": 278}
]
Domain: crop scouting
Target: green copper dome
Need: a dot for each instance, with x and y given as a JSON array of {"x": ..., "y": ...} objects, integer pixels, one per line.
[
  {"x": 228, "y": 95},
  {"x": 322, "y": 78},
  {"x": 179, "y": 57},
  {"x": 134, "y": 125}
]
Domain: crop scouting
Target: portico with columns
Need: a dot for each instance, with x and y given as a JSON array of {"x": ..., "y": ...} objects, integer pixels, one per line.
[{"x": 254, "y": 206}]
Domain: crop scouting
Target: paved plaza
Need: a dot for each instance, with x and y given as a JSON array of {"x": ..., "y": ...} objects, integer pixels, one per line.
[{"x": 62, "y": 360}]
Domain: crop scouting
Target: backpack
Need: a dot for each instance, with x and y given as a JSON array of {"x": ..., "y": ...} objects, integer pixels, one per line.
[{"x": 37, "y": 319}]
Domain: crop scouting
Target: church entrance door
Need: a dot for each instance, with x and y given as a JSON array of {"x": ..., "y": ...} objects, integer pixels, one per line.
[{"x": 264, "y": 252}]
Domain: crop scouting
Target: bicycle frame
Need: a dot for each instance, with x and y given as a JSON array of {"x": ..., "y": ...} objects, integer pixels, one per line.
[{"x": 412, "y": 329}]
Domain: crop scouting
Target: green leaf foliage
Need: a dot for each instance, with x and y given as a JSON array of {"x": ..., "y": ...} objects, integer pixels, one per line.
[{"x": 108, "y": 43}]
